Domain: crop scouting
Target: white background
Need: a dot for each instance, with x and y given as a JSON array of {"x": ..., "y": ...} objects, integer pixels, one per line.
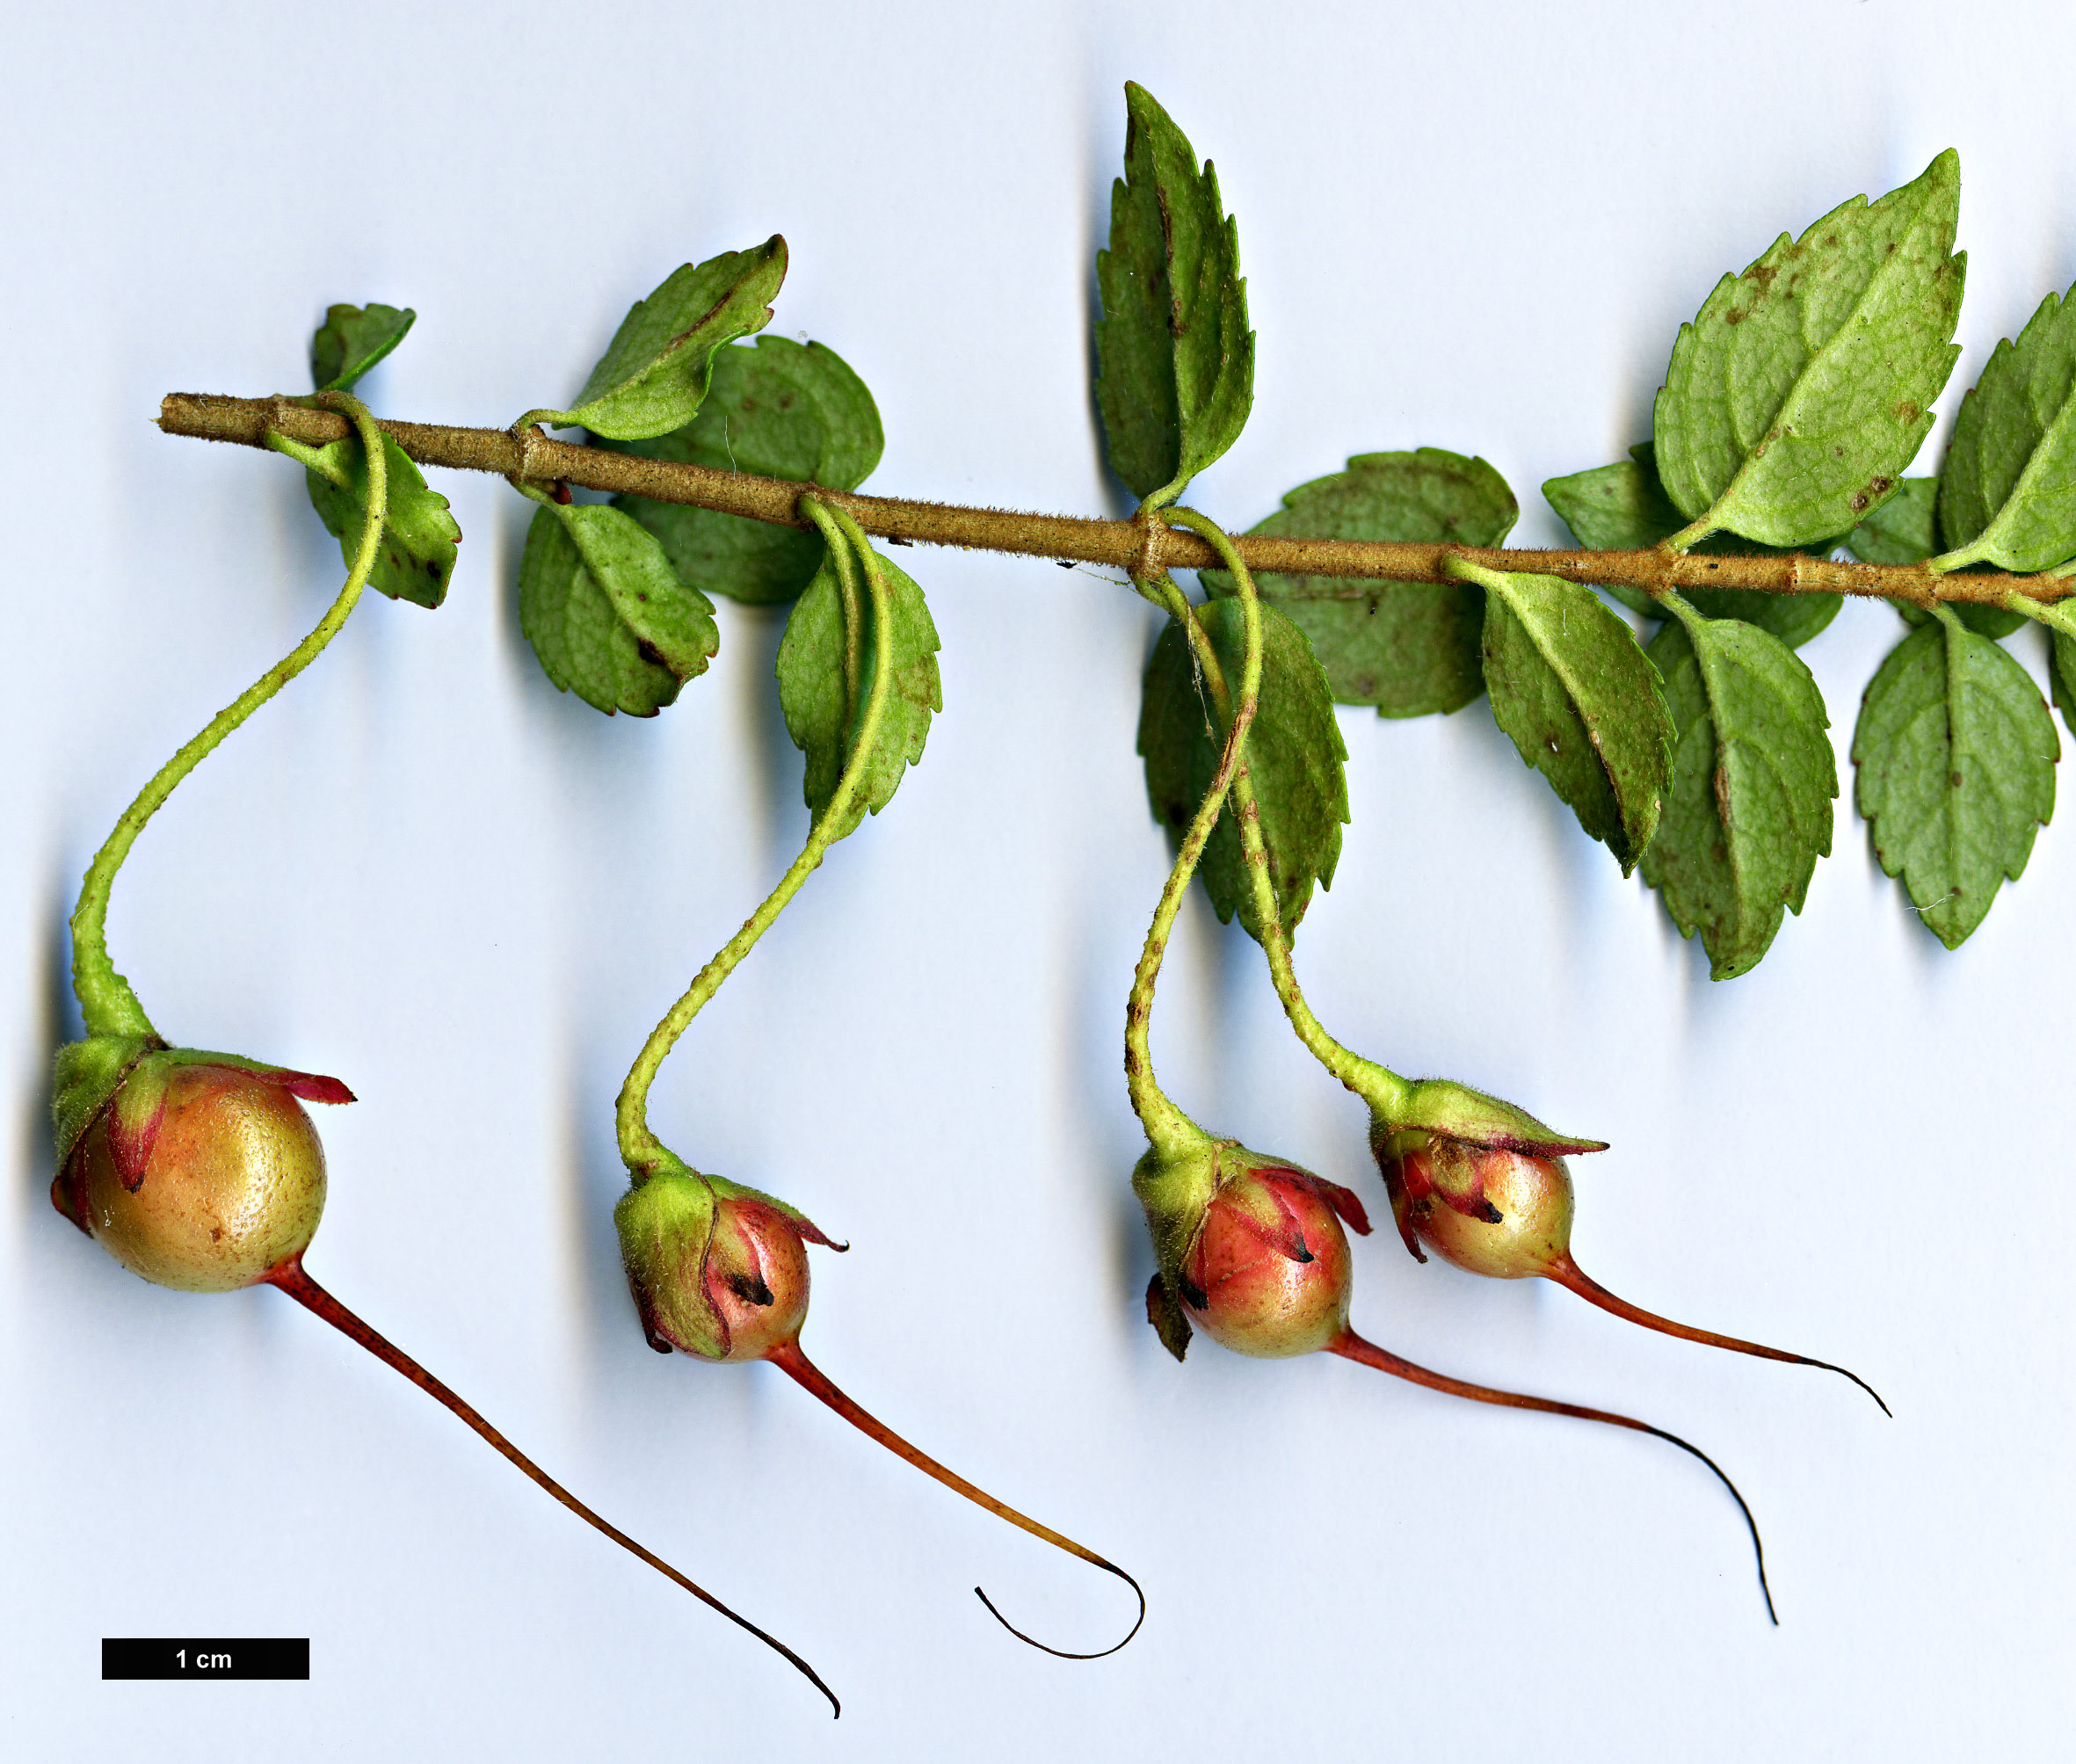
[{"x": 427, "y": 872}]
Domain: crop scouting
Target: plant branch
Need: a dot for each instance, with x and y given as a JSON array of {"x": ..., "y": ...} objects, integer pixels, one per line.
[{"x": 528, "y": 455}]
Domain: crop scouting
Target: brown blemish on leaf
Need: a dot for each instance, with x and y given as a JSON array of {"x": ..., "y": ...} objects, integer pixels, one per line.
[
  {"x": 1877, "y": 488},
  {"x": 1908, "y": 412}
]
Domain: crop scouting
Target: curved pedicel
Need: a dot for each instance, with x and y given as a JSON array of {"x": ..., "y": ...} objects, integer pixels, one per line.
[
  {"x": 720, "y": 1271},
  {"x": 201, "y": 1170},
  {"x": 1265, "y": 1271}
]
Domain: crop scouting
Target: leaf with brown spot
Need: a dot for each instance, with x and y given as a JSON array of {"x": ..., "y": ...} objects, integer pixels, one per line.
[
  {"x": 1622, "y": 507},
  {"x": 823, "y": 720},
  {"x": 1955, "y": 754},
  {"x": 1747, "y": 813},
  {"x": 1582, "y": 703},
  {"x": 1903, "y": 530},
  {"x": 654, "y": 374},
  {"x": 1174, "y": 357},
  {"x": 606, "y": 614},
  {"x": 1789, "y": 397},
  {"x": 415, "y": 561},
  {"x": 1408, "y": 647},
  {"x": 1295, "y": 756},
  {"x": 2009, "y": 485},
  {"x": 781, "y": 410}
]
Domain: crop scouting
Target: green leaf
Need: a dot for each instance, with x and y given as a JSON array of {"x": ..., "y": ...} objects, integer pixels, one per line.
[
  {"x": 1175, "y": 359},
  {"x": 1900, "y": 532},
  {"x": 2061, "y": 673},
  {"x": 605, "y": 613},
  {"x": 2010, "y": 486},
  {"x": 419, "y": 535},
  {"x": 1295, "y": 754},
  {"x": 777, "y": 409},
  {"x": 1805, "y": 386},
  {"x": 1748, "y": 811},
  {"x": 823, "y": 717},
  {"x": 1408, "y": 647},
  {"x": 1956, "y": 754},
  {"x": 351, "y": 339},
  {"x": 1581, "y": 702},
  {"x": 416, "y": 561},
  {"x": 87, "y": 1076},
  {"x": 1979, "y": 617},
  {"x": 654, "y": 373},
  {"x": 1622, "y": 507}
]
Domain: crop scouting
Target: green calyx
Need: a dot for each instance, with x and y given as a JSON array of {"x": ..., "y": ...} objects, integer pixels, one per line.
[
  {"x": 1175, "y": 1182},
  {"x": 1444, "y": 1108},
  {"x": 126, "y": 1076},
  {"x": 85, "y": 1079},
  {"x": 666, "y": 1224}
]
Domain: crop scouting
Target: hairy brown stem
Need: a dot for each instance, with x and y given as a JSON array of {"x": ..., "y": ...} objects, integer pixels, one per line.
[
  {"x": 1569, "y": 1274},
  {"x": 1125, "y": 545},
  {"x": 291, "y": 1279},
  {"x": 1351, "y": 1346},
  {"x": 788, "y": 1358}
]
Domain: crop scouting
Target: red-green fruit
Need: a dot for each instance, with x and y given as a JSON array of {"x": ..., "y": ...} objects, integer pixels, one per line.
[
  {"x": 228, "y": 1185},
  {"x": 717, "y": 1270},
  {"x": 1268, "y": 1272},
  {"x": 1506, "y": 1215},
  {"x": 756, "y": 1277}
]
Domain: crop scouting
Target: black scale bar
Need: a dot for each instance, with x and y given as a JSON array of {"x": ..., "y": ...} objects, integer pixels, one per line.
[{"x": 205, "y": 1657}]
